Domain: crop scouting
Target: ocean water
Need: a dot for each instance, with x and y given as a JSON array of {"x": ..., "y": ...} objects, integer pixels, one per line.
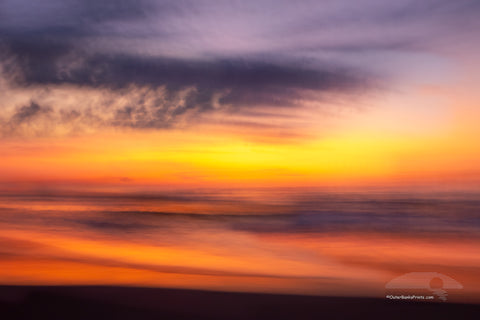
[{"x": 271, "y": 240}]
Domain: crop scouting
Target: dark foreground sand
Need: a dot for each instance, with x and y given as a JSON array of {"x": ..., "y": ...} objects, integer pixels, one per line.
[{"x": 151, "y": 303}]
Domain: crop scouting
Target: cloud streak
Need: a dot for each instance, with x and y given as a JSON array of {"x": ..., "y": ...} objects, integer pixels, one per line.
[{"x": 159, "y": 93}]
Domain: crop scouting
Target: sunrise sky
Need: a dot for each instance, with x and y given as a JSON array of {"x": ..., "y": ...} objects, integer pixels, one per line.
[
  {"x": 102, "y": 100},
  {"x": 240, "y": 93}
]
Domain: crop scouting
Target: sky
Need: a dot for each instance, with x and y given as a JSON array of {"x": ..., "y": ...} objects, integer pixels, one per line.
[
  {"x": 253, "y": 93},
  {"x": 221, "y": 108}
]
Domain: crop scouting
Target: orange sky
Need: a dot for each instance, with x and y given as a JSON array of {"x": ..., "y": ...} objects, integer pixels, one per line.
[{"x": 383, "y": 145}]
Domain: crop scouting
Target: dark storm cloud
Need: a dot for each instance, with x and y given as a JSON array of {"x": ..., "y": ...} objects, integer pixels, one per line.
[
  {"x": 192, "y": 87},
  {"x": 48, "y": 47},
  {"x": 40, "y": 63}
]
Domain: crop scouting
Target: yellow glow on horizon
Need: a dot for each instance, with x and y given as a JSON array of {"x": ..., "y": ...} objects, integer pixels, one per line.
[{"x": 189, "y": 158}]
